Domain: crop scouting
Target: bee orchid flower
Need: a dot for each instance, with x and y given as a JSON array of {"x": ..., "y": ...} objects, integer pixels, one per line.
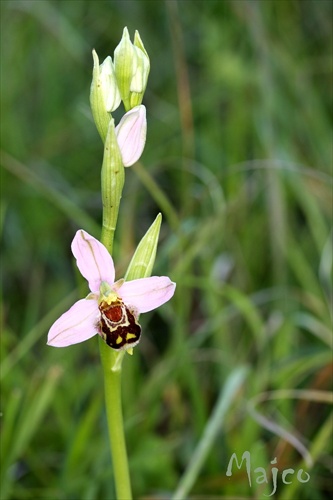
[{"x": 112, "y": 308}]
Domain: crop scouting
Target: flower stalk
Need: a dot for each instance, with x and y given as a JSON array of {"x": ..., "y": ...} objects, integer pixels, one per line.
[
  {"x": 114, "y": 415},
  {"x": 112, "y": 308},
  {"x": 123, "y": 146},
  {"x": 109, "y": 357}
]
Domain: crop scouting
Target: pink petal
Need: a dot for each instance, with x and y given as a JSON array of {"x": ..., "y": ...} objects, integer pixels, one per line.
[
  {"x": 131, "y": 135},
  {"x": 93, "y": 260},
  {"x": 146, "y": 294},
  {"x": 75, "y": 325}
]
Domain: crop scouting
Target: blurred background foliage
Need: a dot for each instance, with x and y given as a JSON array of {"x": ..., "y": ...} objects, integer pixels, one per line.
[{"x": 239, "y": 161}]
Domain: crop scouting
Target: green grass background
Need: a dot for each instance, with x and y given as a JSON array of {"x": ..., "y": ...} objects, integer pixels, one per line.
[{"x": 239, "y": 161}]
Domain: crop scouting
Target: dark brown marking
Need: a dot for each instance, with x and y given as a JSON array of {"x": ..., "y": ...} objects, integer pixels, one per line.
[
  {"x": 118, "y": 326},
  {"x": 114, "y": 313}
]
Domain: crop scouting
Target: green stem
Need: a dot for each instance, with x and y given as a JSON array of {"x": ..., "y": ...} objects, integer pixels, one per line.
[
  {"x": 107, "y": 232},
  {"x": 112, "y": 385},
  {"x": 112, "y": 185}
]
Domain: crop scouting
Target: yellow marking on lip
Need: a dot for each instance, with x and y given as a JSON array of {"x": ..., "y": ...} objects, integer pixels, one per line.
[
  {"x": 119, "y": 340},
  {"x": 130, "y": 336},
  {"x": 113, "y": 297}
]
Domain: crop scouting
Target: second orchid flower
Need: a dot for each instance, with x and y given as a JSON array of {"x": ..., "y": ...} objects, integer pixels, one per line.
[{"x": 112, "y": 308}]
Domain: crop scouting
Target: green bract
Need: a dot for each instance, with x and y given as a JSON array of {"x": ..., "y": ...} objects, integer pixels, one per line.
[{"x": 142, "y": 262}]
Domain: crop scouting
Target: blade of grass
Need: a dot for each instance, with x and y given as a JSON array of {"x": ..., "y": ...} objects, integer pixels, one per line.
[
  {"x": 213, "y": 427},
  {"x": 60, "y": 200},
  {"x": 28, "y": 423},
  {"x": 319, "y": 444},
  {"x": 34, "y": 334},
  {"x": 158, "y": 195}
]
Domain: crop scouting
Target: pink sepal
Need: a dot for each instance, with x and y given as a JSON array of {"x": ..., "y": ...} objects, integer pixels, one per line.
[
  {"x": 79, "y": 323},
  {"x": 93, "y": 260},
  {"x": 146, "y": 294}
]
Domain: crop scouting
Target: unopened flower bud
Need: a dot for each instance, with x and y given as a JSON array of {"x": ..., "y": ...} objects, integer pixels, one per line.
[
  {"x": 104, "y": 93},
  {"x": 109, "y": 88},
  {"x": 131, "y": 135},
  {"x": 132, "y": 69}
]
